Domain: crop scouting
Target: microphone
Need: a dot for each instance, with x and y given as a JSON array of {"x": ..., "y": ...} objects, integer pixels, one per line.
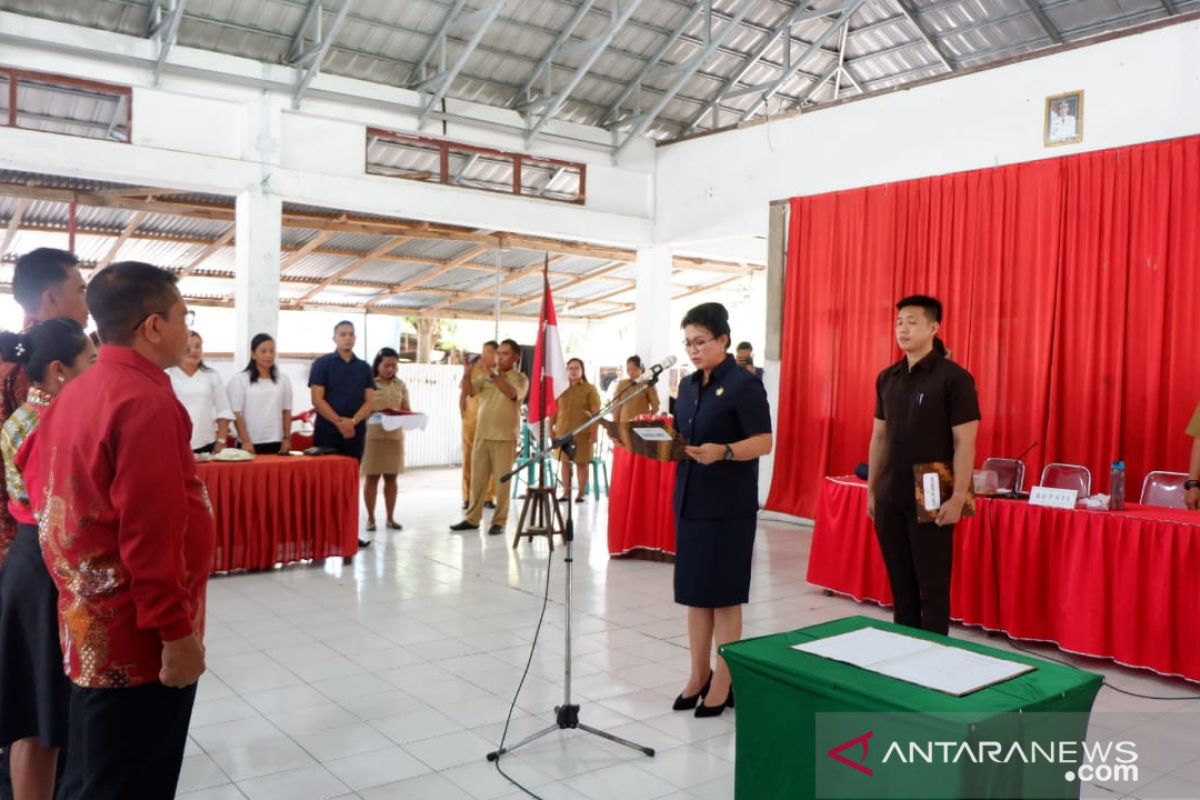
[
  {"x": 655, "y": 370},
  {"x": 1025, "y": 452}
]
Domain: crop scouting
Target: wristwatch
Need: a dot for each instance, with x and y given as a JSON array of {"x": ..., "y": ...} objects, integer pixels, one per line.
[
  {"x": 1189, "y": 485},
  {"x": 728, "y": 453}
]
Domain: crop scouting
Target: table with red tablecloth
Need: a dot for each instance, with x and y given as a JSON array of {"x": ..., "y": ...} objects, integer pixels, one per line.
[
  {"x": 641, "y": 519},
  {"x": 1115, "y": 584},
  {"x": 280, "y": 509}
]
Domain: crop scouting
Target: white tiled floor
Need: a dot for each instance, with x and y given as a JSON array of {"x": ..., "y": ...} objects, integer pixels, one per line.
[{"x": 392, "y": 677}]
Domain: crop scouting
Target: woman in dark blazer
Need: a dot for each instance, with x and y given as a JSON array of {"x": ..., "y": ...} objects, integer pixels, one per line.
[{"x": 723, "y": 415}]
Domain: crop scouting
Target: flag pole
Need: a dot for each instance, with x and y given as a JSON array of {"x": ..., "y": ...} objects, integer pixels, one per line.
[{"x": 542, "y": 394}]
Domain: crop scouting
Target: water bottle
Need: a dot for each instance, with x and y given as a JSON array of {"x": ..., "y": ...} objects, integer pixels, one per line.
[{"x": 1116, "y": 484}]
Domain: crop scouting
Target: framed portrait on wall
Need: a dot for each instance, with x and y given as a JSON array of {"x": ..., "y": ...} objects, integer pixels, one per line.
[{"x": 1064, "y": 119}]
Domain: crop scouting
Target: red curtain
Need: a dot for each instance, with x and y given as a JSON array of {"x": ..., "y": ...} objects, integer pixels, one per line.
[{"x": 1072, "y": 293}]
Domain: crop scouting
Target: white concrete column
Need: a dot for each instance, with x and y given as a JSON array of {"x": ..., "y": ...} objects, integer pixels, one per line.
[
  {"x": 259, "y": 218},
  {"x": 653, "y": 326}
]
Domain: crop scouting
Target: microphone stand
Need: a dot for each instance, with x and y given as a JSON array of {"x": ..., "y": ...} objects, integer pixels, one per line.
[{"x": 567, "y": 715}]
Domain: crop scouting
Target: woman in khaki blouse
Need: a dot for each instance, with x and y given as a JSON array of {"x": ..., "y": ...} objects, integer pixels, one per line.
[
  {"x": 384, "y": 453},
  {"x": 580, "y": 401},
  {"x": 644, "y": 403}
]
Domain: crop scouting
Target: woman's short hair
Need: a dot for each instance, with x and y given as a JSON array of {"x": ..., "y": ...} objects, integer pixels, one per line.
[
  {"x": 711, "y": 316},
  {"x": 252, "y": 368},
  {"x": 46, "y": 342},
  {"x": 384, "y": 352}
]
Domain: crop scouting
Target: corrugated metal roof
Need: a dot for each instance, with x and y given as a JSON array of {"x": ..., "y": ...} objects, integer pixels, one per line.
[{"x": 382, "y": 41}]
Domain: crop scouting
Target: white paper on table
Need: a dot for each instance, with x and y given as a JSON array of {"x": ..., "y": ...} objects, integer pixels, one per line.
[
  {"x": 935, "y": 666},
  {"x": 864, "y": 647},
  {"x": 653, "y": 434},
  {"x": 394, "y": 422}
]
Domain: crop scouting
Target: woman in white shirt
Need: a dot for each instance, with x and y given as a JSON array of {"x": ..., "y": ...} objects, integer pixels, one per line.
[
  {"x": 261, "y": 399},
  {"x": 199, "y": 389}
]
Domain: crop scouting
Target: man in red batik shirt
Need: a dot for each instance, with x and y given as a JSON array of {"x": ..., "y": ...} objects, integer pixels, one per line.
[
  {"x": 47, "y": 284},
  {"x": 128, "y": 537}
]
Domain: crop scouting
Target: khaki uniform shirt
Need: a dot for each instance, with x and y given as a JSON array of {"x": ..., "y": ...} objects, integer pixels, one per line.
[
  {"x": 499, "y": 417},
  {"x": 644, "y": 403},
  {"x": 1193, "y": 428},
  {"x": 392, "y": 395},
  {"x": 574, "y": 406}
]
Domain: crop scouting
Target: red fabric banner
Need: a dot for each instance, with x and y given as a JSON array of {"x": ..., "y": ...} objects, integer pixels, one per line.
[{"x": 1070, "y": 288}]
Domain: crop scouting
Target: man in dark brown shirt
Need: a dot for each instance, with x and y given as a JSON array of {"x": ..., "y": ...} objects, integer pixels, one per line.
[{"x": 926, "y": 410}]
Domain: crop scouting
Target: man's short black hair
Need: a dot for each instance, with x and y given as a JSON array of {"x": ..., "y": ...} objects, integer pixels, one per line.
[
  {"x": 343, "y": 322},
  {"x": 37, "y": 271},
  {"x": 932, "y": 306},
  {"x": 492, "y": 343},
  {"x": 516, "y": 348},
  {"x": 744, "y": 346},
  {"x": 124, "y": 294}
]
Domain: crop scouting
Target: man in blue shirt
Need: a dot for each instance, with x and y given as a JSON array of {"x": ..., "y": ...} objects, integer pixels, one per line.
[{"x": 343, "y": 390}]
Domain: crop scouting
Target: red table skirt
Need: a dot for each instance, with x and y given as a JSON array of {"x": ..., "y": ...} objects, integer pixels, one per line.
[
  {"x": 1120, "y": 585},
  {"x": 280, "y": 509},
  {"x": 640, "y": 497}
]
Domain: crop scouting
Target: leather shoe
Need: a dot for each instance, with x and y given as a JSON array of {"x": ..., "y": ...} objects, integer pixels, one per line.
[
  {"x": 489, "y": 504},
  {"x": 364, "y": 543},
  {"x": 495, "y": 530},
  {"x": 465, "y": 525},
  {"x": 705, "y": 710},
  {"x": 688, "y": 703}
]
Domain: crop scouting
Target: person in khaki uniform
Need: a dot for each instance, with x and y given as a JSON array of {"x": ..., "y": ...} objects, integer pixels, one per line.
[
  {"x": 1191, "y": 496},
  {"x": 468, "y": 406},
  {"x": 580, "y": 401},
  {"x": 384, "y": 449},
  {"x": 500, "y": 392},
  {"x": 644, "y": 403}
]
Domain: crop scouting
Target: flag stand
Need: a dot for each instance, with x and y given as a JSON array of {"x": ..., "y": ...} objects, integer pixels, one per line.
[{"x": 566, "y": 716}]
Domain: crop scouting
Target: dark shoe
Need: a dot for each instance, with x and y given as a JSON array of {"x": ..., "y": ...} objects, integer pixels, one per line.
[
  {"x": 688, "y": 703},
  {"x": 495, "y": 530},
  {"x": 466, "y": 504},
  {"x": 465, "y": 525},
  {"x": 705, "y": 710},
  {"x": 392, "y": 525},
  {"x": 580, "y": 499},
  {"x": 565, "y": 498},
  {"x": 363, "y": 543},
  {"x": 489, "y": 504}
]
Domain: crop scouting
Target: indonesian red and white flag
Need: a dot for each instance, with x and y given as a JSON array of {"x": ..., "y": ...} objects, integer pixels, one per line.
[{"x": 549, "y": 366}]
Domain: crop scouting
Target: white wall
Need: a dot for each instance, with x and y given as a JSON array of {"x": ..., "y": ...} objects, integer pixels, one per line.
[
  {"x": 1137, "y": 89},
  {"x": 215, "y": 119}
]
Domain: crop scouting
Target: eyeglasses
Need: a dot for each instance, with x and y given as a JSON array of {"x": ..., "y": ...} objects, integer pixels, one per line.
[
  {"x": 189, "y": 319},
  {"x": 695, "y": 344}
]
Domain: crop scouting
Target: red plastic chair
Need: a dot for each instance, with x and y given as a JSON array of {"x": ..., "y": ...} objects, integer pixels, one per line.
[
  {"x": 1164, "y": 489},
  {"x": 1010, "y": 471},
  {"x": 1068, "y": 476}
]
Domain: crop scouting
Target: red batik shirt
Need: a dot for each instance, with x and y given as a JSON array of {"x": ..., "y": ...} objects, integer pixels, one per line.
[{"x": 126, "y": 528}]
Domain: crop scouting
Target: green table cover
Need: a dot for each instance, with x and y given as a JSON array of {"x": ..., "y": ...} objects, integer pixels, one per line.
[{"x": 794, "y": 707}]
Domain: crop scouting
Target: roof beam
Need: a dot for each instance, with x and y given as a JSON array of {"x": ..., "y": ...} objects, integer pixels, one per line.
[
  {"x": 427, "y": 275},
  {"x": 296, "y": 49},
  {"x": 167, "y": 33},
  {"x": 909, "y": 9},
  {"x": 576, "y": 281},
  {"x": 549, "y": 105},
  {"x": 1043, "y": 19},
  {"x": 388, "y": 246},
  {"x": 224, "y": 239},
  {"x": 798, "y": 14},
  {"x": 441, "y": 81},
  {"x": 1169, "y": 5},
  {"x": 655, "y": 57},
  {"x": 305, "y": 78},
  {"x": 306, "y": 249},
  {"x": 817, "y": 43},
  {"x": 14, "y": 225},
  {"x": 714, "y": 41},
  {"x": 131, "y": 226},
  {"x": 513, "y": 277},
  {"x": 546, "y": 65}
]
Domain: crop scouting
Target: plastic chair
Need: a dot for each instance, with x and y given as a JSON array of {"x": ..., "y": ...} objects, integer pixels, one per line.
[
  {"x": 1068, "y": 476},
  {"x": 600, "y": 466},
  {"x": 1010, "y": 471},
  {"x": 1164, "y": 489}
]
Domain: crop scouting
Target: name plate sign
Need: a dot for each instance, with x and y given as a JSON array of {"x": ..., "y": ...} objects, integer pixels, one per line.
[{"x": 1053, "y": 498}]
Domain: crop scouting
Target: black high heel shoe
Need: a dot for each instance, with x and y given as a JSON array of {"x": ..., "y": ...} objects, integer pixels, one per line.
[
  {"x": 688, "y": 703},
  {"x": 703, "y": 710}
]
